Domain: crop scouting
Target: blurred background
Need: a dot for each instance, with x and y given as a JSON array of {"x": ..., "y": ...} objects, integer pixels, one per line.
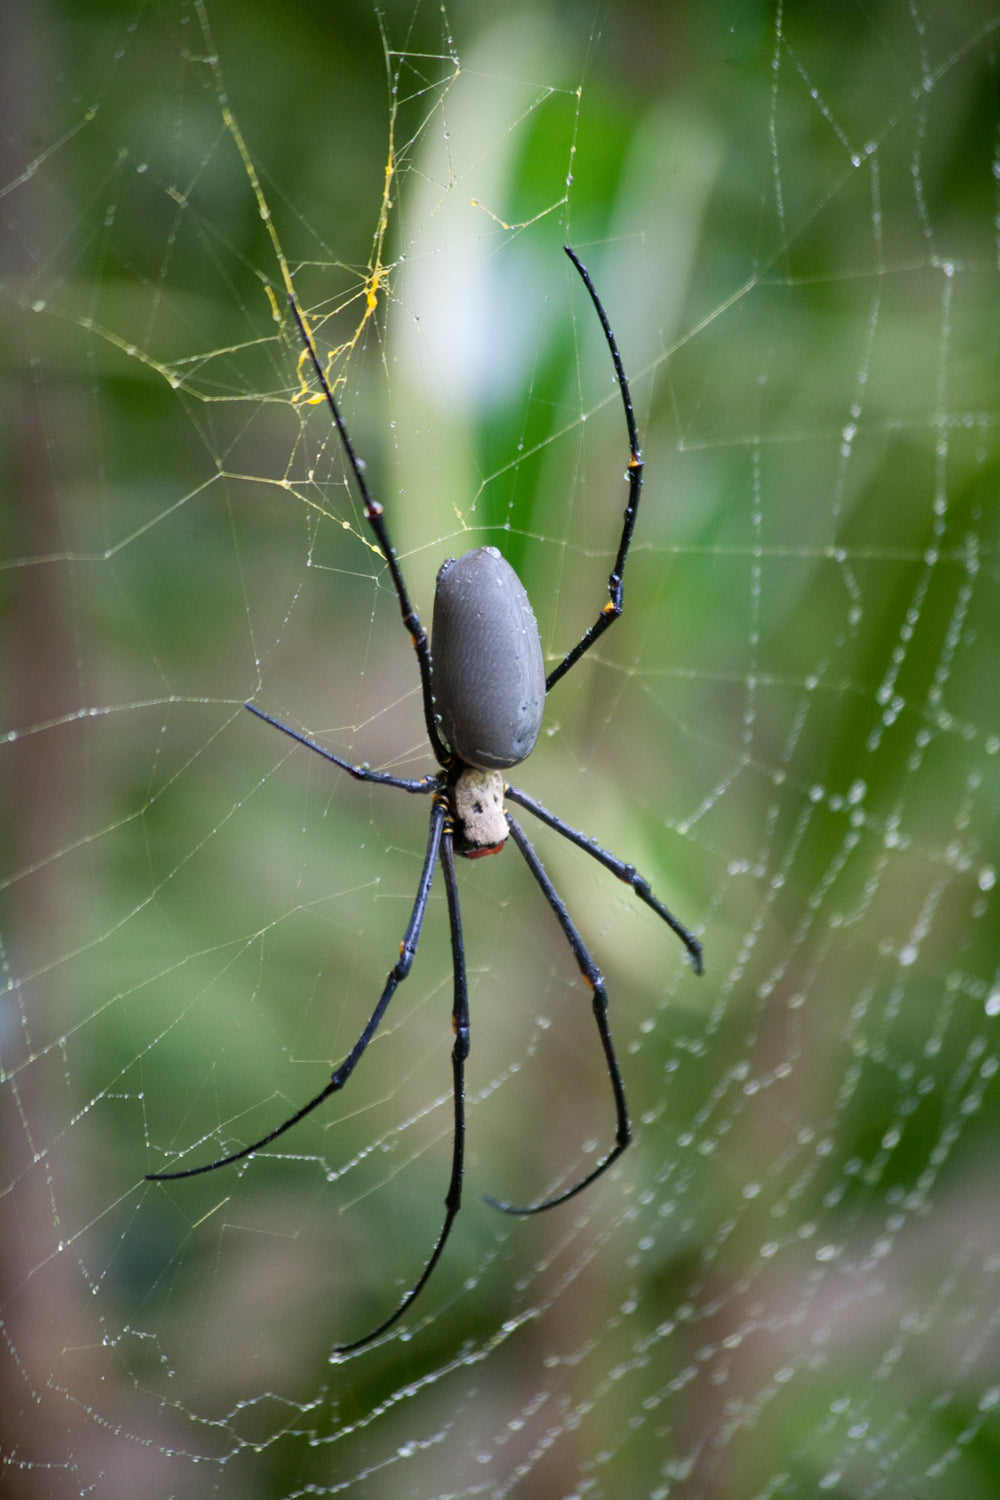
[{"x": 788, "y": 1285}]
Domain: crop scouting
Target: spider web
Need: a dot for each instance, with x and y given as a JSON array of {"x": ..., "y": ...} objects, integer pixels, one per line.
[{"x": 789, "y": 1284}]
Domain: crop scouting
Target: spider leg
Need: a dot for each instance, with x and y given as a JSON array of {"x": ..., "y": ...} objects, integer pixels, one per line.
[
  {"x": 460, "y": 1051},
  {"x": 627, "y": 873},
  {"x": 593, "y": 977},
  {"x": 360, "y": 773},
  {"x": 616, "y": 588},
  {"x": 376, "y": 520},
  {"x": 340, "y": 1075}
]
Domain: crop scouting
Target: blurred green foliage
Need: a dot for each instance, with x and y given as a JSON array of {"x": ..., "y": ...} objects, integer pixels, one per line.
[{"x": 790, "y": 215}]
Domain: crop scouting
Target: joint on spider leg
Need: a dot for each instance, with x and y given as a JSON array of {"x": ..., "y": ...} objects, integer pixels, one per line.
[{"x": 407, "y": 953}]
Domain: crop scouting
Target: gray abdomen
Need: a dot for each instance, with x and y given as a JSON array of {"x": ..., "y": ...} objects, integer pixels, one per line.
[{"x": 488, "y": 672}]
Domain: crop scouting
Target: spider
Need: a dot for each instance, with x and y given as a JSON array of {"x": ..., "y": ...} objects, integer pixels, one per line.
[{"x": 483, "y": 695}]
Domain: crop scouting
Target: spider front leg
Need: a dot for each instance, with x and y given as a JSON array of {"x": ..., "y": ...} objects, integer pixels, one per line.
[
  {"x": 340, "y": 1075},
  {"x": 616, "y": 587},
  {"x": 593, "y": 977},
  {"x": 625, "y": 872},
  {"x": 459, "y": 1053}
]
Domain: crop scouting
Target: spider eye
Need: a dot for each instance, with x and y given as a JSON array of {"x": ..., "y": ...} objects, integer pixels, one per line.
[{"x": 488, "y": 673}]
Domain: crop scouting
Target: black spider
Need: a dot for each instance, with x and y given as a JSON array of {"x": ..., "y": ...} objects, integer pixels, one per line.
[{"x": 483, "y": 695}]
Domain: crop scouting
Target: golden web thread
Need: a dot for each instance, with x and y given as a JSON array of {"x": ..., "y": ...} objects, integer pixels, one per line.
[{"x": 377, "y": 273}]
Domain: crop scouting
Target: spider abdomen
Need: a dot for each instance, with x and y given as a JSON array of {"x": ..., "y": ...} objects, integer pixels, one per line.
[
  {"x": 486, "y": 661},
  {"x": 489, "y": 678}
]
